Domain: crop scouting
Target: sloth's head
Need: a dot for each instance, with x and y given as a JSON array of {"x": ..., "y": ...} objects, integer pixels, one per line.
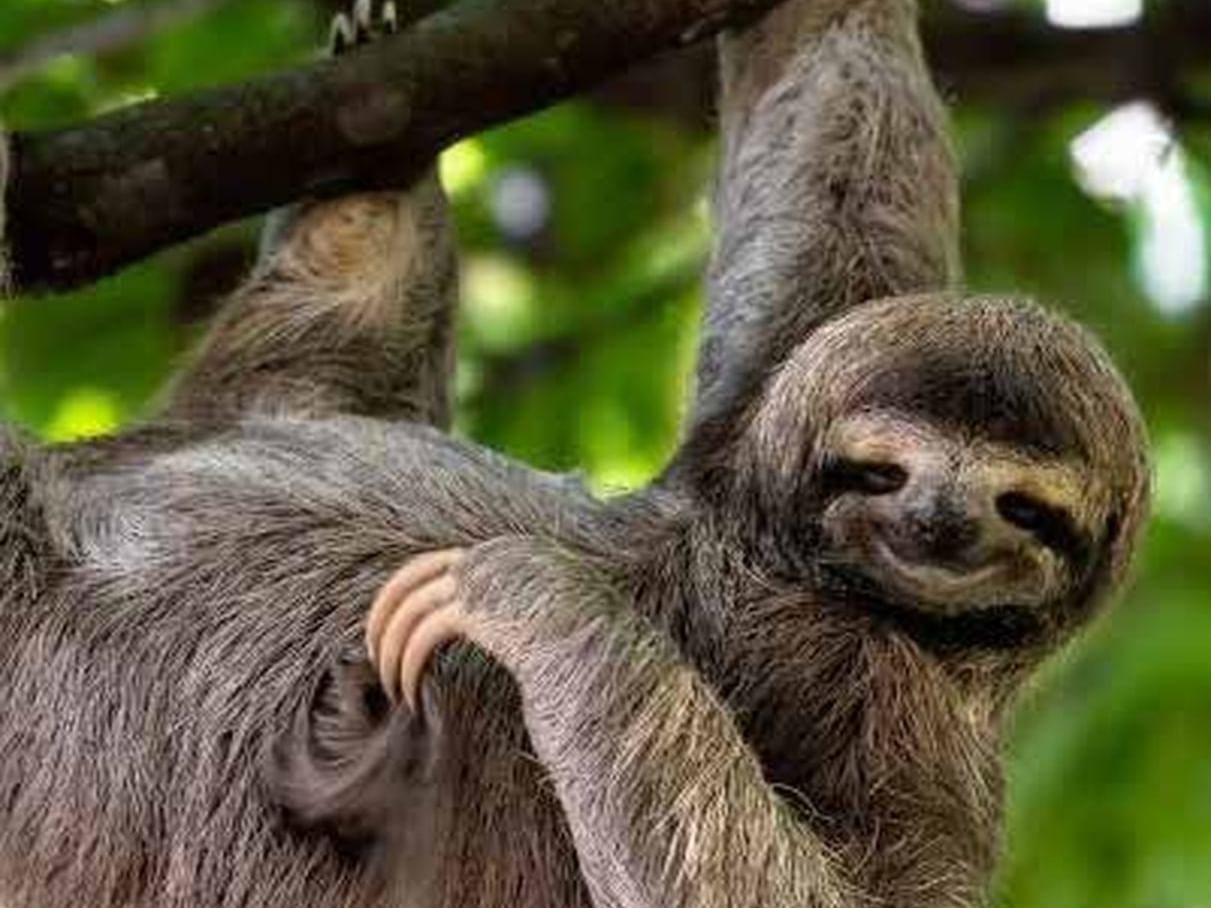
[{"x": 953, "y": 459}]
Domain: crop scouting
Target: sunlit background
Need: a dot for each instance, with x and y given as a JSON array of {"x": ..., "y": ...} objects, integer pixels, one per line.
[{"x": 585, "y": 232}]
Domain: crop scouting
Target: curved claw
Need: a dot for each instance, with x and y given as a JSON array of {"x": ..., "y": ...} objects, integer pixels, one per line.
[
  {"x": 435, "y": 630},
  {"x": 362, "y": 24},
  {"x": 363, "y": 19},
  {"x": 341, "y": 35},
  {"x": 416, "y": 612},
  {"x": 390, "y": 17}
]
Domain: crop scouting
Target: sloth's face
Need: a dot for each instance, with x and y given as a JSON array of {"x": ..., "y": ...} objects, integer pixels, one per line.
[
  {"x": 953, "y": 457},
  {"x": 948, "y": 523}
]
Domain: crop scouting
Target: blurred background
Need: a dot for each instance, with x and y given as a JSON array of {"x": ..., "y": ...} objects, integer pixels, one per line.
[{"x": 1085, "y": 130}]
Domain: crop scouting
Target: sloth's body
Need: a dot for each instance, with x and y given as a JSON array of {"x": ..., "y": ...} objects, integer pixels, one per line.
[
  {"x": 777, "y": 678},
  {"x": 249, "y": 555},
  {"x": 219, "y": 536},
  {"x": 179, "y": 558}
]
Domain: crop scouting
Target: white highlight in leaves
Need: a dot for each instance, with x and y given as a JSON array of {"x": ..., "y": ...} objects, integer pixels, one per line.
[
  {"x": 1131, "y": 156},
  {"x": 1094, "y": 13}
]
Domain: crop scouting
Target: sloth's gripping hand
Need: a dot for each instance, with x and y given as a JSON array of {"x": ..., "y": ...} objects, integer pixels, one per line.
[
  {"x": 649, "y": 765},
  {"x": 497, "y": 596},
  {"x": 420, "y": 609}
]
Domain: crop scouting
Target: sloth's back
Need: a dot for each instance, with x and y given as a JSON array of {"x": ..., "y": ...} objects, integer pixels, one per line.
[{"x": 204, "y": 589}]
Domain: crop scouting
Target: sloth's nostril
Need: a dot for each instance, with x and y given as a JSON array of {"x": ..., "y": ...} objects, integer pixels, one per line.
[{"x": 941, "y": 529}]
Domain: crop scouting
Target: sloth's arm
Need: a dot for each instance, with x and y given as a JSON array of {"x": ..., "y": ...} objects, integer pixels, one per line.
[
  {"x": 350, "y": 309},
  {"x": 837, "y": 184},
  {"x": 666, "y": 802},
  {"x": 350, "y": 313}
]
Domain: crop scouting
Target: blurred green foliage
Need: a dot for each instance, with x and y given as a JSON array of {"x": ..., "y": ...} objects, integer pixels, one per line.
[{"x": 577, "y": 341}]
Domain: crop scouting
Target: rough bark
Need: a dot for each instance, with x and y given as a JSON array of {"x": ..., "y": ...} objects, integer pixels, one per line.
[{"x": 91, "y": 198}]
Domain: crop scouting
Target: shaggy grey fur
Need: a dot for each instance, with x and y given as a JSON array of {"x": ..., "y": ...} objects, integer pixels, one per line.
[
  {"x": 700, "y": 699},
  {"x": 837, "y": 184}
]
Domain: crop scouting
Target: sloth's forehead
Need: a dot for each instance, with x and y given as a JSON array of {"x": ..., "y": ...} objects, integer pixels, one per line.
[
  {"x": 1002, "y": 371},
  {"x": 995, "y": 400},
  {"x": 1008, "y": 372}
]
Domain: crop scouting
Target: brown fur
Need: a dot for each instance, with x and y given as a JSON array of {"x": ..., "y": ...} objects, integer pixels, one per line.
[
  {"x": 350, "y": 311},
  {"x": 698, "y": 699}
]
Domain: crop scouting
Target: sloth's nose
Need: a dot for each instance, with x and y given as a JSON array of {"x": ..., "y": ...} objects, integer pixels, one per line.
[{"x": 936, "y": 526}]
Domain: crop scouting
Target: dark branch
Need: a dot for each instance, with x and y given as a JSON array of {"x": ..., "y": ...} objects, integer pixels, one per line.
[
  {"x": 1011, "y": 60},
  {"x": 91, "y": 198},
  {"x": 1018, "y": 59}
]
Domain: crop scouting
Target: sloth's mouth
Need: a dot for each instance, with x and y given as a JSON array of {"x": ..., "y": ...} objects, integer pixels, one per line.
[
  {"x": 940, "y": 587},
  {"x": 994, "y": 626}
]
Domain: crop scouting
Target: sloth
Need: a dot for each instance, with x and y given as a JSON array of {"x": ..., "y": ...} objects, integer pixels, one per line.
[
  {"x": 844, "y": 617},
  {"x": 780, "y": 675},
  {"x": 289, "y": 643}
]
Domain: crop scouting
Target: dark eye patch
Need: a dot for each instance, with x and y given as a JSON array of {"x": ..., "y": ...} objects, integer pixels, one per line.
[
  {"x": 1053, "y": 527},
  {"x": 863, "y": 477}
]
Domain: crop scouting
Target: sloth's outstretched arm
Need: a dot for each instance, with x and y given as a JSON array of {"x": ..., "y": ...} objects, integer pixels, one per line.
[
  {"x": 837, "y": 183},
  {"x": 666, "y": 802},
  {"x": 350, "y": 309}
]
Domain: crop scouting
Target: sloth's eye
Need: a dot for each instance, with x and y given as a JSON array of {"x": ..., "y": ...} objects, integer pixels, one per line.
[
  {"x": 1050, "y": 525},
  {"x": 865, "y": 477}
]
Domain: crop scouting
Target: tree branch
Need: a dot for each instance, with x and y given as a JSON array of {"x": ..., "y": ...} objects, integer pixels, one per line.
[
  {"x": 1010, "y": 59},
  {"x": 91, "y": 198},
  {"x": 1017, "y": 58}
]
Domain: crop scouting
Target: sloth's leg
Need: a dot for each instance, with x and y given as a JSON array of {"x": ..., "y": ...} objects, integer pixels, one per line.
[{"x": 350, "y": 309}]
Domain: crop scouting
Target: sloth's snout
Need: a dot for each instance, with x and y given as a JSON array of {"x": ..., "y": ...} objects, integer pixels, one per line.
[
  {"x": 944, "y": 522},
  {"x": 936, "y": 527},
  {"x": 934, "y": 521}
]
